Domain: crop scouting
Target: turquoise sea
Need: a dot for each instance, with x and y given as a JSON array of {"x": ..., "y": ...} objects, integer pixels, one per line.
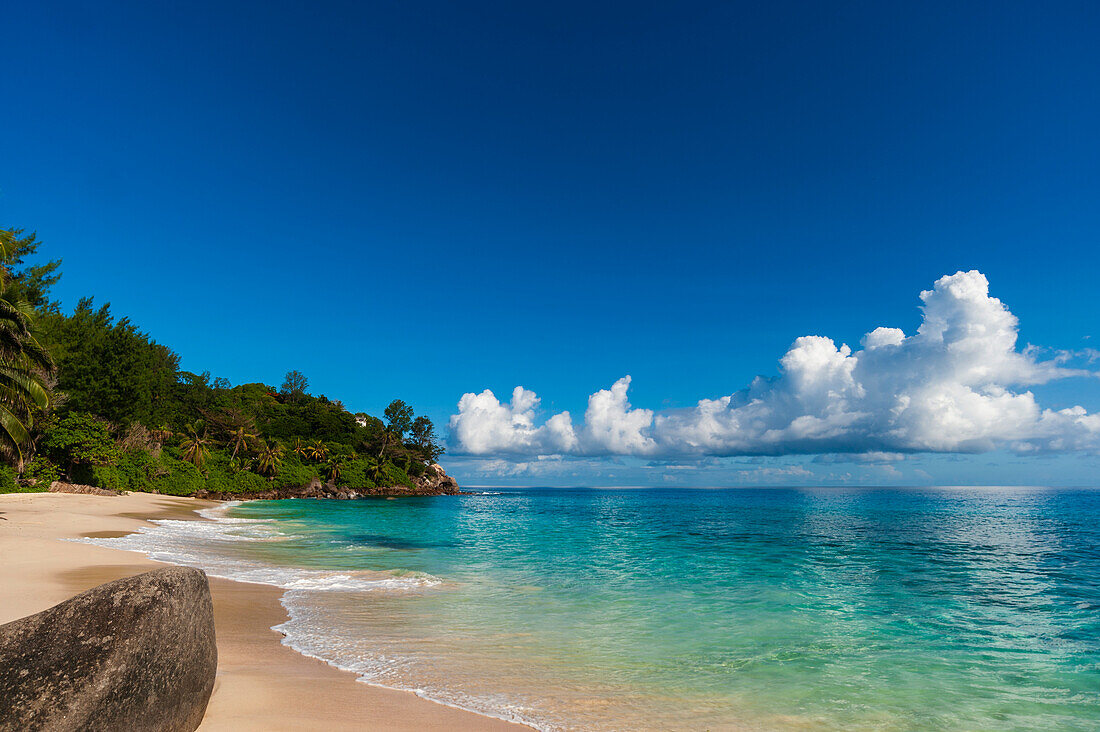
[{"x": 631, "y": 609}]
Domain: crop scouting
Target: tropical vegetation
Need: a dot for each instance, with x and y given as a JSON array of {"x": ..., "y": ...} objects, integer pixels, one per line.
[{"x": 89, "y": 398}]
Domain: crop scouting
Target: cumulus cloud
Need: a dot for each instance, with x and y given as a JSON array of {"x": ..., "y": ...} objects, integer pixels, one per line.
[
  {"x": 486, "y": 426},
  {"x": 959, "y": 384}
]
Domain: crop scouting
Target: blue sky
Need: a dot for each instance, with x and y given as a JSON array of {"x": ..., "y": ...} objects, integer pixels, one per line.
[{"x": 424, "y": 200}]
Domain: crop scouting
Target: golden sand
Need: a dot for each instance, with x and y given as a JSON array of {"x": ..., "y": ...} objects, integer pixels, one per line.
[{"x": 261, "y": 684}]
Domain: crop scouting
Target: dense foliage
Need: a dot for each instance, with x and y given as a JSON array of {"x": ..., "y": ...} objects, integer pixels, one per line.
[
  {"x": 89, "y": 398},
  {"x": 25, "y": 366}
]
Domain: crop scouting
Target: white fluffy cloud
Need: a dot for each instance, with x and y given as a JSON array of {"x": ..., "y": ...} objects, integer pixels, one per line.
[
  {"x": 485, "y": 426},
  {"x": 959, "y": 384}
]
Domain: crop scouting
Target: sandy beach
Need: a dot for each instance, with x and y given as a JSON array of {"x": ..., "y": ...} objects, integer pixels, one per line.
[{"x": 261, "y": 684}]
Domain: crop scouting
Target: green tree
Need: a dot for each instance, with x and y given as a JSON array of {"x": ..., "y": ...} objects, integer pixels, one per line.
[
  {"x": 423, "y": 438},
  {"x": 334, "y": 467},
  {"x": 81, "y": 439},
  {"x": 317, "y": 451},
  {"x": 269, "y": 458},
  {"x": 24, "y": 363},
  {"x": 195, "y": 446},
  {"x": 399, "y": 417},
  {"x": 113, "y": 380},
  {"x": 300, "y": 448},
  {"x": 111, "y": 368},
  {"x": 27, "y": 283},
  {"x": 376, "y": 469},
  {"x": 240, "y": 438},
  {"x": 294, "y": 385}
]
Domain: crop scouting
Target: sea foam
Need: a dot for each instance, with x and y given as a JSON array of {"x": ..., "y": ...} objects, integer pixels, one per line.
[
  {"x": 209, "y": 546},
  {"x": 215, "y": 545}
]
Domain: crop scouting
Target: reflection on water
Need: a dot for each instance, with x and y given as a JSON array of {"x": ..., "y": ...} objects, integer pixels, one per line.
[{"x": 864, "y": 609}]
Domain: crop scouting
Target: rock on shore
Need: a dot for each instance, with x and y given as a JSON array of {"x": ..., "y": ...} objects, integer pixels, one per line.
[
  {"x": 134, "y": 654},
  {"x": 435, "y": 480},
  {"x": 61, "y": 487}
]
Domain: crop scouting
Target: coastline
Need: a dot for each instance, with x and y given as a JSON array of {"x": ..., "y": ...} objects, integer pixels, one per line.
[{"x": 261, "y": 683}]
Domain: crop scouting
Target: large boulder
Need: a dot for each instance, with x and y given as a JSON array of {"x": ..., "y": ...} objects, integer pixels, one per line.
[
  {"x": 134, "y": 654},
  {"x": 59, "y": 487},
  {"x": 435, "y": 480}
]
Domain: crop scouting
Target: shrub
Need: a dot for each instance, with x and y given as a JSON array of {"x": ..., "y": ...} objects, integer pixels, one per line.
[
  {"x": 41, "y": 472},
  {"x": 356, "y": 474},
  {"x": 293, "y": 472},
  {"x": 101, "y": 476},
  {"x": 179, "y": 478},
  {"x": 394, "y": 475},
  {"x": 220, "y": 480},
  {"x": 140, "y": 470},
  {"x": 81, "y": 439},
  {"x": 8, "y": 483}
]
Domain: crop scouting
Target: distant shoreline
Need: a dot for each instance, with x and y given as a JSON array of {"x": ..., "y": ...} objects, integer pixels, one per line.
[{"x": 261, "y": 683}]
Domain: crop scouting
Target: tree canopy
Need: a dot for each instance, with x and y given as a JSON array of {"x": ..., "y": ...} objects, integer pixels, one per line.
[
  {"x": 98, "y": 400},
  {"x": 25, "y": 365},
  {"x": 295, "y": 384}
]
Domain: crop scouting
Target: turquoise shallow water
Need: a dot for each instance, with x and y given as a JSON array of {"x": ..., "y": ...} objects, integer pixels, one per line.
[{"x": 846, "y": 609}]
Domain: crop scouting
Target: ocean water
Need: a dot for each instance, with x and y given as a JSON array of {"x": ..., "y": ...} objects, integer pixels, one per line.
[{"x": 633, "y": 609}]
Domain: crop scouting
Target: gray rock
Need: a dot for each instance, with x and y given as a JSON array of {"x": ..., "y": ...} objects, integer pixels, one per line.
[
  {"x": 59, "y": 487},
  {"x": 134, "y": 654},
  {"x": 435, "y": 480}
]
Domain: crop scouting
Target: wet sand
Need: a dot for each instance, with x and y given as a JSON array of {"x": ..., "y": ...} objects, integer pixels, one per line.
[{"x": 261, "y": 684}]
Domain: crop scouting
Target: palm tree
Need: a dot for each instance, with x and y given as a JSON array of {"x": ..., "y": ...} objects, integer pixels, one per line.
[
  {"x": 300, "y": 448},
  {"x": 24, "y": 367},
  {"x": 239, "y": 438},
  {"x": 161, "y": 435},
  {"x": 317, "y": 451},
  {"x": 334, "y": 467},
  {"x": 269, "y": 459},
  {"x": 376, "y": 468},
  {"x": 385, "y": 439},
  {"x": 195, "y": 446}
]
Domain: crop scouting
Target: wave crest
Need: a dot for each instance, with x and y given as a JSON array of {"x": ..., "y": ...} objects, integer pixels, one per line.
[{"x": 208, "y": 545}]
